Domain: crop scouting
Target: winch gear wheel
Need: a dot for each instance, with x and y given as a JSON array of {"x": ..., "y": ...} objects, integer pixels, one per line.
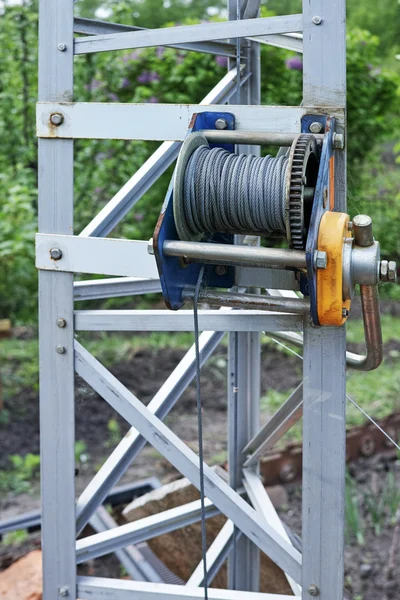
[{"x": 302, "y": 173}]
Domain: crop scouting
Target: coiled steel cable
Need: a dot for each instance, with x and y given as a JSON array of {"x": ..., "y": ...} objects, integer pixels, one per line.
[{"x": 231, "y": 193}]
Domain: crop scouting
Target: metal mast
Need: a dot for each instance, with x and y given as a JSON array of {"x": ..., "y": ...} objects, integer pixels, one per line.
[{"x": 61, "y": 253}]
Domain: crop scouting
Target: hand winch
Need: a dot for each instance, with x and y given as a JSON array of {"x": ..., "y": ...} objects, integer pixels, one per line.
[{"x": 216, "y": 195}]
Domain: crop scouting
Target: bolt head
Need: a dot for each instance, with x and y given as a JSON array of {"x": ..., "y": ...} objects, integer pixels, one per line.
[
  {"x": 150, "y": 247},
  {"x": 61, "y": 350},
  {"x": 338, "y": 141},
  {"x": 317, "y": 20},
  {"x": 55, "y": 253},
  {"x": 57, "y": 119},
  {"x": 345, "y": 313},
  {"x": 313, "y": 590},
  {"x": 221, "y": 270},
  {"x": 62, "y": 47},
  {"x": 315, "y": 127},
  {"x": 221, "y": 124},
  {"x": 61, "y": 323},
  {"x": 384, "y": 271},
  {"x": 321, "y": 259},
  {"x": 392, "y": 271},
  {"x": 63, "y": 591}
]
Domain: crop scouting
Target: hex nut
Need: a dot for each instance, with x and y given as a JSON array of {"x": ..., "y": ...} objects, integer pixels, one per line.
[
  {"x": 221, "y": 270},
  {"x": 321, "y": 259},
  {"x": 56, "y": 119},
  {"x": 55, "y": 253},
  {"x": 384, "y": 271},
  {"x": 338, "y": 141},
  {"x": 221, "y": 124},
  {"x": 150, "y": 247},
  {"x": 313, "y": 590},
  {"x": 392, "y": 271},
  {"x": 317, "y": 20},
  {"x": 345, "y": 313},
  {"x": 315, "y": 127}
]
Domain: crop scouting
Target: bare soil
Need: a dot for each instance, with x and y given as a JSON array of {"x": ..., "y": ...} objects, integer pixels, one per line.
[{"x": 366, "y": 566}]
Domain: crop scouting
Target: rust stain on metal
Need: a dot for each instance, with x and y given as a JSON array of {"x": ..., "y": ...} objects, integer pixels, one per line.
[{"x": 364, "y": 440}]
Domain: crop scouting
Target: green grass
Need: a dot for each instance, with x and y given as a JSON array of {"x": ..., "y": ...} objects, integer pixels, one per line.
[{"x": 390, "y": 329}]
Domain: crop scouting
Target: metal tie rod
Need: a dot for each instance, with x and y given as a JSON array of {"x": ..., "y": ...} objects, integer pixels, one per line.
[
  {"x": 253, "y": 137},
  {"x": 252, "y": 301},
  {"x": 243, "y": 256}
]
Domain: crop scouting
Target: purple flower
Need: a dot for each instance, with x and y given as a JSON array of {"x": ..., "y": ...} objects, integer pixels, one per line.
[
  {"x": 160, "y": 51},
  {"x": 139, "y": 217},
  {"x": 221, "y": 61},
  {"x": 148, "y": 77},
  {"x": 95, "y": 84},
  {"x": 98, "y": 190},
  {"x": 132, "y": 56},
  {"x": 113, "y": 97},
  {"x": 295, "y": 63},
  {"x": 153, "y": 100},
  {"x": 125, "y": 83}
]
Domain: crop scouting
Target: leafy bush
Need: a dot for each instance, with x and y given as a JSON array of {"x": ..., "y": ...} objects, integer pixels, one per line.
[{"x": 149, "y": 76}]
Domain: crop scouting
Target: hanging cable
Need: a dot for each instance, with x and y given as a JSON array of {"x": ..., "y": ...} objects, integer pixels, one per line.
[
  {"x": 348, "y": 398},
  {"x": 234, "y": 193},
  {"x": 200, "y": 430}
]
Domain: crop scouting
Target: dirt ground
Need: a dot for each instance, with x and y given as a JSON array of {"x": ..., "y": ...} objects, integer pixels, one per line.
[{"x": 366, "y": 577}]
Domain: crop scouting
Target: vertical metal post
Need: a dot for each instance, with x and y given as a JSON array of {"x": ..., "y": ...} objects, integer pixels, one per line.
[
  {"x": 324, "y": 439},
  {"x": 243, "y": 423},
  {"x": 55, "y": 303},
  {"x": 244, "y": 373}
]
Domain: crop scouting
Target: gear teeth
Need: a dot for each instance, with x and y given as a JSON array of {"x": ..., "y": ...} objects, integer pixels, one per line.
[{"x": 296, "y": 191}]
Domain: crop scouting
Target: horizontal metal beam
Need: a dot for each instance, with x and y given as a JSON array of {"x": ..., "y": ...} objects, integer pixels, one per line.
[
  {"x": 144, "y": 529},
  {"x": 103, "y": 256},
  {"x": 108, "y": 121},
  {"x": 288, "y": 41},
  {"x": 95, "y": 27},
  {"x": 189, "y": 33},
  {"x": 166, "y": 320},
  {"x": 186, "y": 462},
  {"x": 100, "y": 588},
  {"x": 115, "y": 287}
]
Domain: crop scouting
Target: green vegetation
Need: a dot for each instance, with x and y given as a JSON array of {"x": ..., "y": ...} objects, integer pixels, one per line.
[
  {"x": 21, "y": 475},
  {"x": 169, "y": 75},
  {"x": 370, "y": 509}
]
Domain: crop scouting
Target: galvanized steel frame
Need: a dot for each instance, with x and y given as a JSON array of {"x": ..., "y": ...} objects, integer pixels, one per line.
[{"x": 321, "y": 397}]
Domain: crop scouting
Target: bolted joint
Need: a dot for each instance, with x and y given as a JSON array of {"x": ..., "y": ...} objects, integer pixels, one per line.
[
  {"x": 61, "y": 323},
  {"x": 150, "y": 247},
  {"x": 320, "y": 259},
  {"x": 221, "y": 270},
  {"x": 63, "y": 592},
  {"x": 313, "y": 590},
  {"x": 387, "y": 271},
  {"x": 56, "y": 119},
  {"x": 55, "y": 254},
  {"x": 317, "y": 20},
  {"x": 221, "y": 124},
  {"x": 345, "y": 313},
  {"x": 315, "y": 127},
  {"x": 62, "y": 47},
  {"x": 338, "y": 141},
  {"x": 61, "y": 349}
]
